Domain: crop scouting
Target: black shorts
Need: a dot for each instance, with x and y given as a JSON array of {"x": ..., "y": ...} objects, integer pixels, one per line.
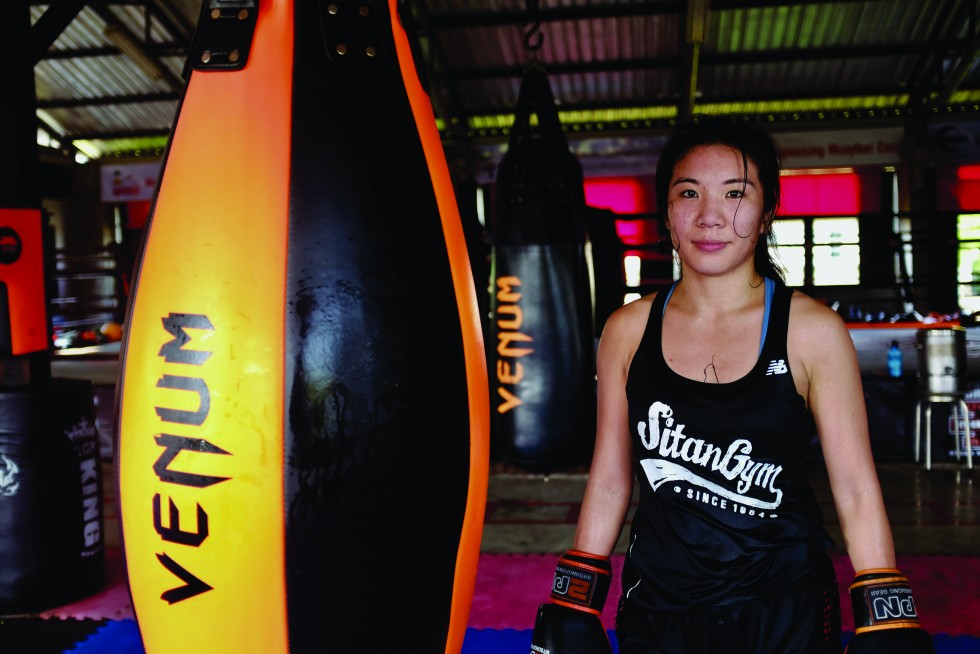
[{"x": 803, "y": 621}]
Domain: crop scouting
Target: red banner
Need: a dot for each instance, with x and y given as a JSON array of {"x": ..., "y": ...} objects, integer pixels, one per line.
[{"x": 22, "y": 271}]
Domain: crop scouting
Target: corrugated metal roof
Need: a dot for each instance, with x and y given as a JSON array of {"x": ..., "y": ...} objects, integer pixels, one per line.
[
  {"x": 808, "y": 57},
  {"x": 86, "y": 87}
]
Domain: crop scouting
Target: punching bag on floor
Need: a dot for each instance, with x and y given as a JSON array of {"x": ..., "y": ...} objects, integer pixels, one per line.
[
  {"x": 541, "y": 344},
  {"x": 303, "y": 415},
  {"x": 51, "y": 543}
]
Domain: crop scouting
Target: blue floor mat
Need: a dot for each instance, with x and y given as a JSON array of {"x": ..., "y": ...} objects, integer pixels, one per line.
[
  {"x": 122, "y": 637},
  {"x": 117, "y": 637},
  {"x": 512, "y": 641}
]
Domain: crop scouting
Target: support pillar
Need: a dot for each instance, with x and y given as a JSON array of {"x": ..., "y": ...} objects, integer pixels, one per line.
[{"x": 24, "y": 317}]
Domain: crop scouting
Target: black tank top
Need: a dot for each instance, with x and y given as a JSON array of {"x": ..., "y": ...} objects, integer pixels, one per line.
[{"x": 725, "y": 512}]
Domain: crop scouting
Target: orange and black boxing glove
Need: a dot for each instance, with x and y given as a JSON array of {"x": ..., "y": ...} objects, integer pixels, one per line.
[
  {"x": 570, "y": 623},
  {"x": 885, "y": 619}
]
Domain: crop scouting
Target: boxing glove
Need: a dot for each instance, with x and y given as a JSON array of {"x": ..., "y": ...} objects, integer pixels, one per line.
[
  {"x": 885, "y": 618},
  {"x": 570, "y": 624}
]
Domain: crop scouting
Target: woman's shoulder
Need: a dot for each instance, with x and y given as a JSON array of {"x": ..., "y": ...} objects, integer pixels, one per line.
[
  {"x": 818, "y": 341},
  {"x": 625, "y": 326},
  {"x": 632, "y": 315},
  {"x": 814, "y": 321}
]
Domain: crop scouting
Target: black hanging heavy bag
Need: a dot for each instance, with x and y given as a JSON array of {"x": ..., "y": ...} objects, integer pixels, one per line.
[
  {"x": 541, "y": 344},
  {"x": 51, "y": 516},
  {"x": 539, "y": 196}
]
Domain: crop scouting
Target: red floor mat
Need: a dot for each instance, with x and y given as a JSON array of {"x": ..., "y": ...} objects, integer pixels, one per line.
[{"x": 509, "y": 588}]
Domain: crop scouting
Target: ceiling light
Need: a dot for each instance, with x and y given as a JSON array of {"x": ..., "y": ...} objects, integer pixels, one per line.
[
  {"x": 88, "y": 148},
  {"x": 135, "y": 51}
]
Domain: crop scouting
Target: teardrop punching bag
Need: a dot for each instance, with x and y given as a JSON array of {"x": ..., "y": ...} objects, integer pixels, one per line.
[
  {"x": 303, "y": 417},
  {"x": 541, "y": 345}
]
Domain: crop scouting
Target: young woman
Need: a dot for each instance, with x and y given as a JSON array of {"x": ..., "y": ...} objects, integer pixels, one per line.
[{"x": 710, "y": 392}]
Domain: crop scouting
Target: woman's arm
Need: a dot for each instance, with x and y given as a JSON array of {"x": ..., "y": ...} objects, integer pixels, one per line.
[
  {"x": 583, "y": 575},
  {"x": 836, "y": 398},
  {"x": 610, "y": 484}
]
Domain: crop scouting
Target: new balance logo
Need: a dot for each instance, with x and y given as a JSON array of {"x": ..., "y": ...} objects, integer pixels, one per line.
[{"x": 777, "y": 367}]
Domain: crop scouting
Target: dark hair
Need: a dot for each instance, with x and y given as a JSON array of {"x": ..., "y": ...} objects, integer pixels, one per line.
[{"x": 755, "y": 145}]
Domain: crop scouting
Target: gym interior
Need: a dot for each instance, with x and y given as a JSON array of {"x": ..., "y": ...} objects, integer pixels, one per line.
[{"x": 220, "y": 287}]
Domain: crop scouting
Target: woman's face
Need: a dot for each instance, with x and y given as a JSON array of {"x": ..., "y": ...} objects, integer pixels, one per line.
[{"x": 714, "y": 212}]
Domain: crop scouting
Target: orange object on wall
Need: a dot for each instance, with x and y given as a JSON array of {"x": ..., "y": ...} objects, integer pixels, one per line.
[{"x": 22, "y": 272}]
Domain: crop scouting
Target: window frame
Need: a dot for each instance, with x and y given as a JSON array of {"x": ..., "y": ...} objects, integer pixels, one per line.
[{"x": 808, "y": 246}]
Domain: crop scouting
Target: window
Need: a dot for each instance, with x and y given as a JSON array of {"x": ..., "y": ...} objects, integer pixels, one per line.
[
  {"x": 968, "y": 262},
  {"x": 632, "y": 265},
  {"x": 822, "y": 251},
  {"x": 791, "y": 248},
  {"x": 819, "y": 251},
  {"x": 836, "y": 253},
  {"x": 902, "y": 228}
]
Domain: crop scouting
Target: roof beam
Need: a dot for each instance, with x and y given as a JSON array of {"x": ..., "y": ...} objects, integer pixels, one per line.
[
  {"x": 175, "y": 23},
  {"x": 51, "y": 24},
  {"x": 568, "y": 68},
  {"x": 785, "y": 97},
  {"x": 74, "y": 103},
  {"x": 952, "y": 83},
  {"x": 790, "y": 55},
  {"x": 116, "y": 134},
  {"x": 140, "y": 51},
  {"x": 815, "y": 96},
  {"x": 694, "y": 29},
  {"x": 677, "y": 62},
  {"x": 443, "y": 21},
  {"x": 721, "y": 5},
  {"x": 157, "y": 49},
  {"x": 625, "y": 10}
]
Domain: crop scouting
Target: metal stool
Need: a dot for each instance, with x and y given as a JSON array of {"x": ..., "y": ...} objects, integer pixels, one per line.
[
  {"x": 942, "y": 365},
  {"x": 958, "y": 403}
]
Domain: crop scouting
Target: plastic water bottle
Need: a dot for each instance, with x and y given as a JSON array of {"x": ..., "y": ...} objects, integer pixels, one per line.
[{"x": 894, "y": 360}]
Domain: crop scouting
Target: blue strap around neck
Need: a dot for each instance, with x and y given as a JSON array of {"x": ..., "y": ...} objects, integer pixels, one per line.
[{"x": 770, "y": 290}]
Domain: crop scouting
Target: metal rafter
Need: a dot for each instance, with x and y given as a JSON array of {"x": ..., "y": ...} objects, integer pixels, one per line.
[
  {"x": 967, "y": 60},
  {"x": 112, "y": 22},
  {"x": 444, "y": 21},
  {"x": 694, "y": 29},
  {"x": 74, "y": 103},
  {"x": 937, "y": 68},
  {"x": 51, "y": 24},
  {"x": 727, "y": 59},
  {"x": 158, "y": 49}
]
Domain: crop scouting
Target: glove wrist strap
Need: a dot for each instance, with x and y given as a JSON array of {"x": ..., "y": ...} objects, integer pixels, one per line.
[
  {"x": 582, "y": 581},
  {"x": 881, "y": 598}
]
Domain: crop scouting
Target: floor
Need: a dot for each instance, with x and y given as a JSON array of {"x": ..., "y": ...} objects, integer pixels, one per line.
[
  {"x": 935, "y": 516},
  {"x": 530, "y": 518},
  {"x": 931, "y": 512}
]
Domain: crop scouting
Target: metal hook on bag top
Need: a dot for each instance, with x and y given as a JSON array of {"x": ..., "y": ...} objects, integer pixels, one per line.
[{"x": 533, "y": 38}]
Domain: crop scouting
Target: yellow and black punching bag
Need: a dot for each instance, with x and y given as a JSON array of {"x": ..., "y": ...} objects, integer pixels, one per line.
[{"x": 303, "y": 413}]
